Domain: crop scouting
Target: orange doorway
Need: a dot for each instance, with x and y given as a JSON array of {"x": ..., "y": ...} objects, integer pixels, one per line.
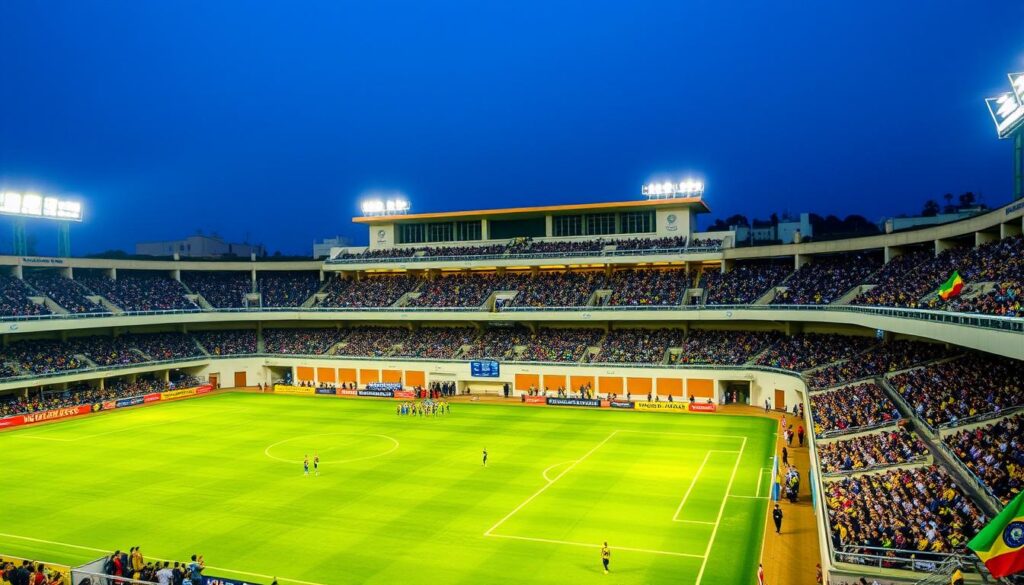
[
  {"x": 215, "y": 380},
  {"x": 240, "y": 380},
  {"x": 780, "y": 399}
]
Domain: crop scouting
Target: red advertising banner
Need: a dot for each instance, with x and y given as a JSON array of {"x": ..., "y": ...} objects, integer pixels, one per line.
[
  {"x": 36, "y": 417},
  {"x": 109, "y": 405},
  {"x": 204, "y": 389},
  {"x": 698, "y": 407},
  {"x": 348, "y": 392},
  {"x": 535, "y": 400},
  {"x": 405, "y": 394},
  {"x": 154, "y": 397}
]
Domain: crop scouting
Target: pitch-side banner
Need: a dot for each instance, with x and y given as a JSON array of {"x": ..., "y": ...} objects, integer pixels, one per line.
[
  {"x": 377, "y": 393},
  {"x": 660, "y": 406},
  {"x": 154, "y": 397},
  {"x": 37, "y": 417},
  {"x": 618, "y": 403},
  {"x": 574, "y": 402},
  {"x": 214, "y": 580},
  {"x": 405, "y": 394},
  {"x": 698, "y": 407},
  {"x": 327, "y": 391},
  {"x": 170, "y": 394},
  {"x": 535, "y": 400},
  {"x": 303, "y": 390}
]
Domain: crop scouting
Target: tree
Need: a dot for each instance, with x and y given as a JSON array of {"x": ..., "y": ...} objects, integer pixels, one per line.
[
  {"x": 775, "y": 219},
  {"x": 737, "y": 219},
  {"x": 967, "y": 200},
  {"x": 931, "y": 208},
  {"x": 949, "y": 208}
]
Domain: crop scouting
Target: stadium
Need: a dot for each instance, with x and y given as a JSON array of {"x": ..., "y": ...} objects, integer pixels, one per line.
[
  {"x": 526, "y": 373},
  {"x": 628, "y": 388}
]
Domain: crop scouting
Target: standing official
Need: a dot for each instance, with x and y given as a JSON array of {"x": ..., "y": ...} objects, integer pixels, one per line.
[{"x": 777, "y": 517}]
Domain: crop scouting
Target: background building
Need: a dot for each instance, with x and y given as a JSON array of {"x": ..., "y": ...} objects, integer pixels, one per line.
[{"x": 199, "y": 246}]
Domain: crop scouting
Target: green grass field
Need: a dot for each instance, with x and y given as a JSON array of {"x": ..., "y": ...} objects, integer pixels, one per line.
[{"x": 679, "y": 498}]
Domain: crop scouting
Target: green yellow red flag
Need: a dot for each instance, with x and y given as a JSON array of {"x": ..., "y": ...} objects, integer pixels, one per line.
[{"x": 1000, "y": 545}]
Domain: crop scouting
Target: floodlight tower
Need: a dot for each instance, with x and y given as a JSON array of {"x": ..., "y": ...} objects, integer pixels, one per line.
[
  {"x": 24, "y": 206},
  {"x": 1007, "y": 112}
]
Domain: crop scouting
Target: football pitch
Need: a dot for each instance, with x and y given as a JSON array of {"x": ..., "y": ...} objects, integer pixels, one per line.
[{"x": 680, "y": 498}]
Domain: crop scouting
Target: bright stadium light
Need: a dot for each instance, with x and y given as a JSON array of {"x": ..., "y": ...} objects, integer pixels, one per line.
[
  {"x": 669, "y": 190},
  {"x": 1007, "y": 109},
  {"x": 392, "y": 206},
  {"x": 35, "y": 205}
]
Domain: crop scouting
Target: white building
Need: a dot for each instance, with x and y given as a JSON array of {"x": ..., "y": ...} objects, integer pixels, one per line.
[{"x": 199, "y": 246}]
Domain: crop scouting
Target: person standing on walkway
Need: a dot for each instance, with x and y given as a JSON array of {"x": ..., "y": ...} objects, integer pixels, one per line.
[
  {"x": 785, "y": 456},
  {"x": 800, "y": 434},
  {"x": 760, "y": 574},
  {"x": 777, "y": 517}
]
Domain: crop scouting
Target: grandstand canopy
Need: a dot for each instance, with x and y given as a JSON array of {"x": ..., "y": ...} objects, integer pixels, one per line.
[{"x": 623, "y": 219}]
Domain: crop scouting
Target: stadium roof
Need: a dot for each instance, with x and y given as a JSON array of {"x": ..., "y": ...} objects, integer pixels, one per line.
[{"x": 695, "y": 202}]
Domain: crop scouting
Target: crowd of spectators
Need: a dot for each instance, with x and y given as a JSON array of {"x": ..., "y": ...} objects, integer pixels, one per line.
[
  {"x": 497, "y": 342},
  {"x": 886, "y": 358},
  {"x": 666, "y": 243},
  {"x": 650, "y": 287},
  {"x": 638, "y": 346},
  {"x": 948, "y": 392},
  {"x": 14, "y": 298},
  {"x": 804, "y": 351},
  {"x": 65, "y": 292},
  {"x": 712, "y": 346},
  {"x": 164, "y": 346},
  {"x": 995, "y": 454},
  {"x": 105, "y": 351},
  {"x": 78, "y": 394},
  {"x": 706, "y": 243},
  {"x": 223, "y": 290},
  {"x": 372, "y": 341},
  {"x": 560, "y": 345},
  {"x": 893, "y": 282},
  {"x": 379, "y": 254},
  {"x": 305, "y": 341},
  {"x": 531, "y": 246},
  {"x": 371, "y": 291},
  {"x": 851, "y": 408},
  {"x": 917, "y": 510},
  {"x": 140, "y": 291},
  {"x": 744, "y": 284},
  {"x": 435, "y": 342},
  {"x": 287, "y": 288},
  {"x": 867, "y": 452},
  {"x": 39, "y": 356},
  {"x": 227, "y": 341},
  {"x": 825, "y": 280},
  {"x": 463, "y": 290},
  {"x": 558, "y": 289},
  {"x": 1004, "y": 300}
]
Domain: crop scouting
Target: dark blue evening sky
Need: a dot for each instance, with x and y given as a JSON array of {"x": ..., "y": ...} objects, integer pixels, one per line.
[{"x": 272, "y": 119}]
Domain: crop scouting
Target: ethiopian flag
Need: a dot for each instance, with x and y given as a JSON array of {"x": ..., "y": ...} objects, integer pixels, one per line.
[
  {"x": 1000, "y": 545},
  {"x": 952, "y": 287}
]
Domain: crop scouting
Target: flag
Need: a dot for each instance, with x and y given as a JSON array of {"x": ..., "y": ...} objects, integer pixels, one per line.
[
  {"x": 1000, "y": 545},
  {"x": 952, "y": 287}
]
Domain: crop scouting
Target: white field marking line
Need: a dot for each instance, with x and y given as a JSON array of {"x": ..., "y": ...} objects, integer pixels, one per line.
[
  {"x": 549, "y": 483},
  {"x": 760, "y": 478},
  {"x": 107, "y": 551},
  {"x": 351, "y": 460},
  {"x": 550, "y": 467},
  {"x": 589, "y": 545},
  {"x": 693, "y": 482},
  {"x": 721, "y": 510}
]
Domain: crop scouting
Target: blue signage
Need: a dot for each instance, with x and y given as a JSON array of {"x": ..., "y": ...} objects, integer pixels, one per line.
[
  {"x": 377, "y": 393},
  {"x": 484, "y": 369},
  {"x": 323, "y": 390},
  {"x": 129, "y": 401},
  {"x": 211, "y": 580},
  {"x": 574, "y": 402}
]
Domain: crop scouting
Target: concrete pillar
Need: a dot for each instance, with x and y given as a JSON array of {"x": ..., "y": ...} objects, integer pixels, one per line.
[
  {"x": 549, "y": 226},
  {"x": 112, "y": 273},
  {"x": 66, "y": 272},
  {"x": 943, "y": 245},
  {"x": 485, "y": 229},
  {"x": 727, "y": 265},
  {"x": 800, "y": 260},
  {"x": 176, "y": 274},
  {"x": 892, "y": 252},
  {"x": 252, "y": 274},
  {"x": 19, "y": 272},
  {"x": 1009, "y": 229},
  {"x": 984, "y": 238}
]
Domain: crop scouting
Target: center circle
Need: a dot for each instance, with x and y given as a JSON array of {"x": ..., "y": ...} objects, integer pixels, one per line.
[{"x": 333, "y": 448}]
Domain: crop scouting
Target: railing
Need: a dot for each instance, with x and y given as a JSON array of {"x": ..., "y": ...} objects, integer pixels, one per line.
[
  {"x": 981, "y": 417},
  {"x": 1014, "y": 324},
  {"x": 907, "y": 560},
  {"x": 876, "y": 467},
  {"x": 864, "y": 428},
  {"x": 529, "y": 255}
]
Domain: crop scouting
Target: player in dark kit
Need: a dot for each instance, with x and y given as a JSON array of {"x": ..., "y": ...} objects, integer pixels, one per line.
[
  {"x": 485, "y": 457},
  {"x": 305, "y": 465},
  {"x": 606, "y": 557},
  {"x": 316, "y": 465}
]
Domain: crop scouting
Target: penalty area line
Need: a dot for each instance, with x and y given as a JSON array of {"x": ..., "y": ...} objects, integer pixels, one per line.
[{"x": 108, "y": 551}]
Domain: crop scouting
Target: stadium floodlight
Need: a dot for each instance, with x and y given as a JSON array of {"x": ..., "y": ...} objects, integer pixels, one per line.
[
  {"x": 394, "y": 206},
  {"x": 669, "y": 189},
  {"x": 1007, "y": 109},
  {"x": 35, "y": 205}
]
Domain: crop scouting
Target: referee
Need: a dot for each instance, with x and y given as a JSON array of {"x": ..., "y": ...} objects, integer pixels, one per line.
[{"x": 606, "y": 555}]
